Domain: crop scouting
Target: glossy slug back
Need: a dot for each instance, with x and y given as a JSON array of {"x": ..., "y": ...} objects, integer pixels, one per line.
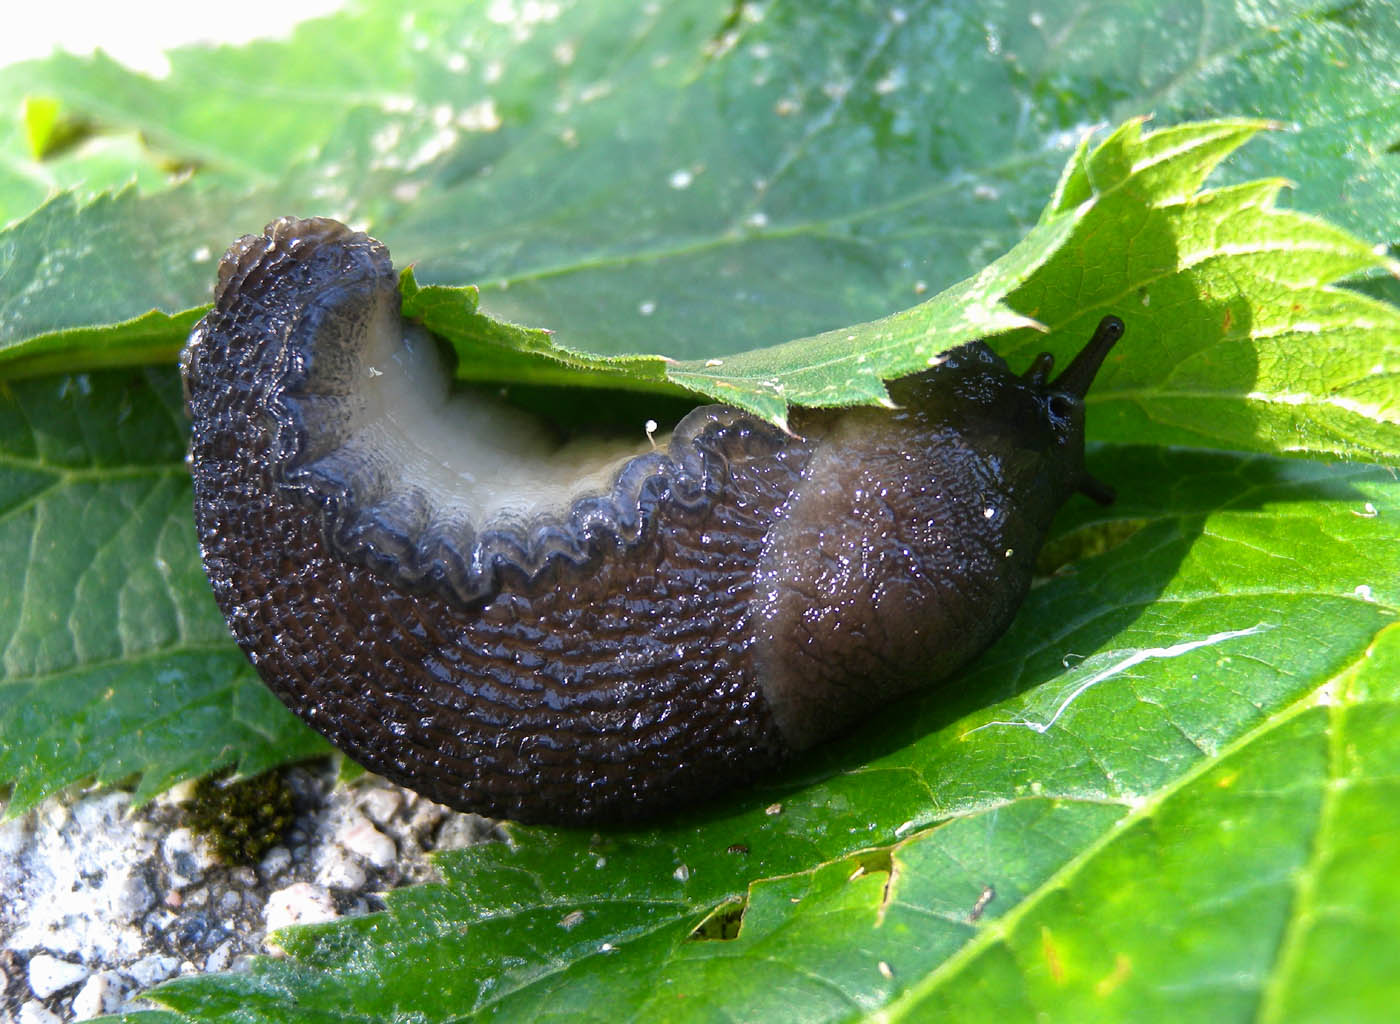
[{"x": 644, "y": 630}]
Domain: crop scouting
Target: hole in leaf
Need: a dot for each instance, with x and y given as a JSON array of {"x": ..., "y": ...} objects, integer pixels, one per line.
[
  {"x": 723, "y": 924},
  {"x": 875, "y": 862},
  {"x": 871, "y": 862}
]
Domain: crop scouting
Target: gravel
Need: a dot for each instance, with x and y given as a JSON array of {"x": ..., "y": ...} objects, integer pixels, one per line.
[{"x": 99, "y": 902}]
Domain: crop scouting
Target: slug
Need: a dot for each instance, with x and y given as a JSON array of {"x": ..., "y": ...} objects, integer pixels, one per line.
[{"x": 593, "y": 632}]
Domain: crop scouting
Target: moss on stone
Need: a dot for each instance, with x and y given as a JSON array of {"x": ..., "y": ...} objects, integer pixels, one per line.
[{"x": 242, "y": 818}]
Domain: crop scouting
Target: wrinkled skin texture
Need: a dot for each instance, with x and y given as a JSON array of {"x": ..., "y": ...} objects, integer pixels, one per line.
[{"x": 738, "y": 597}]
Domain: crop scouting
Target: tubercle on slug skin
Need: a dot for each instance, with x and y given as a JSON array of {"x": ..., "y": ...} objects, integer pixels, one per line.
[{"x": 688, "y": 620}]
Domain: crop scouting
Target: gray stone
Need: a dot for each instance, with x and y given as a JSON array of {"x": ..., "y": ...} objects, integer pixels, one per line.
[
  {"x": 187, "y": 857},
  {"x": 461, "y": 830},
  {"x": 136, "y": 898},
  {"x": 425, "y": 815},
  {"x": 229, "y": 904},
  {"x": 275, "y": 862},
  {"x": 243, "y": 876},
  {"x": 220, "y": 958},
  {"x": 151, "y": 969},
  {"x": 77, "y": 880},
  {"x": 129, "y": 896}
]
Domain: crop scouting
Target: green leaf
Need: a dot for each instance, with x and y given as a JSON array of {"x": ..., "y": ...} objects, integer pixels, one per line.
[
  {"x": 140, "y": 341},
  {"x": 1244, "y": 289},
  {"x": 1313, "y": 66},
  {"x": 116, "y": 664},
  {"x": 493, "y": 350},
  {"x": 47, "y": 146}
]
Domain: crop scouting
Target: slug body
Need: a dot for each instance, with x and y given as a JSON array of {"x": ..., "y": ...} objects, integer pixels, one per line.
[{"x": 591, "y": 633}]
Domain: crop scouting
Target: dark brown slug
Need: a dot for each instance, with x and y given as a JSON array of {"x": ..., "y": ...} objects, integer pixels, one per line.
[{"x": 591, "y": 633}]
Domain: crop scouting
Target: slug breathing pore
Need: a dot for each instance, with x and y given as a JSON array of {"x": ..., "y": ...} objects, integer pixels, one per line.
[{"x": 592, "y": 632}]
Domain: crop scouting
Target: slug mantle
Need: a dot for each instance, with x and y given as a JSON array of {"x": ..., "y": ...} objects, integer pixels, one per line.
[{"x": 603, "y": 631}]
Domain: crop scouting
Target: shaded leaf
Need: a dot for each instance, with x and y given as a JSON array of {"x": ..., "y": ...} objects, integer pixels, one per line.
[{"x": 744, "y": 183}]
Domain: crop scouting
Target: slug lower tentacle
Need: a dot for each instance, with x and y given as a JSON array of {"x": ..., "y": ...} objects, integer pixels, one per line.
[{"x": 591, "y": 632}]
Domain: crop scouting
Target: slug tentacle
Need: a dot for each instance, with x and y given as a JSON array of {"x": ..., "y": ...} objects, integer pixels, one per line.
[
  {"x": 1080, "y": 373},
  {"x": 576, "y": 632}
]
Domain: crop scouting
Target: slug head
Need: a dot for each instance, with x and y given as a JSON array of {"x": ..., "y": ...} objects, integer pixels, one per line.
[
  {"x": 1064, "y": 398},
  {"x": 1028, "y": 424},
  {"x": 911, "y": 543}
]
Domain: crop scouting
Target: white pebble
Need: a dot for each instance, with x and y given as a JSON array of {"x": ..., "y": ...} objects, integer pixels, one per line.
[
  {"x": 300, "y": 903},
  {"x": 335, "y": 869},
  {"x": 101, "y": 994},
  {"x": 15, "y": 835},
  {"x": 35, "y": 1012},
  {"x": 180, "y": 793},
  {"x": 364, "y": 839},
  {"x": 381, "y": 804},
  {"x": 48, "y": 974},
  {"x": 220, "y": 958}
]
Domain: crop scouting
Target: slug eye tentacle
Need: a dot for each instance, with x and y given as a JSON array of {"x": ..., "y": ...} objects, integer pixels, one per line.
[
  {"x": 1079, "y": 374},
  {"x": 1039, "y": 371}
]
